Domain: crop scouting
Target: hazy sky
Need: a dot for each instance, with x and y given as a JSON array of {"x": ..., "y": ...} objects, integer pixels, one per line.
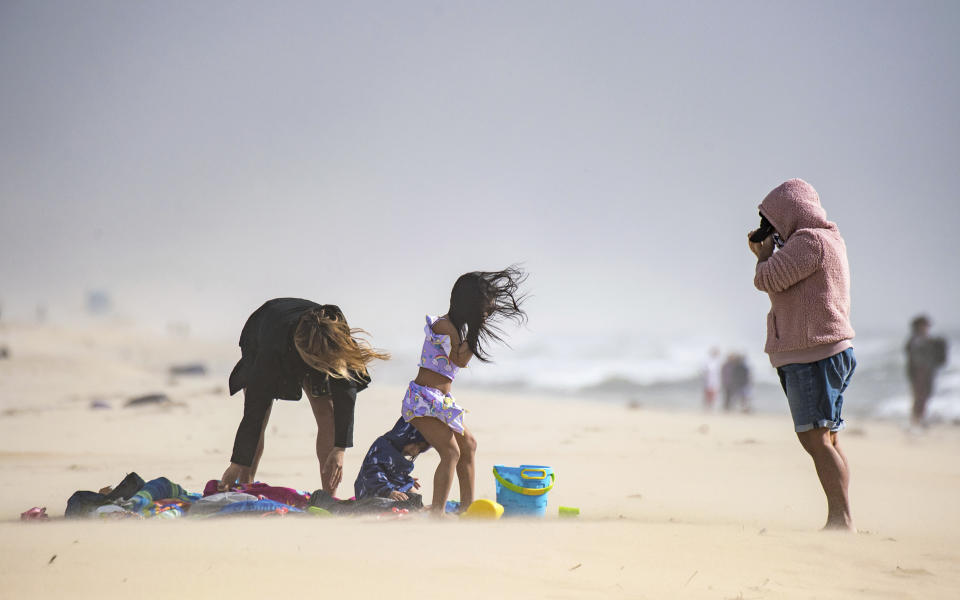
[{"x": 195, "y": 159}]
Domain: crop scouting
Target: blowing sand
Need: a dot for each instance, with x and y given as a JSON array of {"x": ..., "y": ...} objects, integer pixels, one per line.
[{"x": 673, "y": 505}]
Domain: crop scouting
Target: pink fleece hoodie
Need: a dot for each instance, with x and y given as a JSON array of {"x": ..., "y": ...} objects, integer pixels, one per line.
[{"x": 808, "y": 280}]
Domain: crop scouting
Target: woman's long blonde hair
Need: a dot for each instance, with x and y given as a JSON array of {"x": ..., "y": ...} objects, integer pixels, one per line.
[{"x": 326, "y": 343}]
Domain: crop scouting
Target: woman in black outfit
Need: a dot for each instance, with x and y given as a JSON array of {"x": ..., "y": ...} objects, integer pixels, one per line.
[{"x": 289, "y": 344}]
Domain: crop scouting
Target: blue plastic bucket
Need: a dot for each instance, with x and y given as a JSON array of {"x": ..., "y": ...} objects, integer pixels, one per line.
[{"x": 523, "y": 490}]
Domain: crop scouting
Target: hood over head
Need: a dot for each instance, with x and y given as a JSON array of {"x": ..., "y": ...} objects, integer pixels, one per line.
[
  {"x": 793, "y": 205},
  {"x": 403, "y": 433}
]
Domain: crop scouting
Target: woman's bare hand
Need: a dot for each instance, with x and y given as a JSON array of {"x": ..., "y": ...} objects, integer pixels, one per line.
[
  {"x": 232, "y": 475},
  {"x": 332, "y": 471}
]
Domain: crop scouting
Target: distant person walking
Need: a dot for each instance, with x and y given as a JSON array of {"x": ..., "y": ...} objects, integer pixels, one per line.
[
  {"x": 711, "y": 379},
  {"x": 925, "y": 355},
  {"x": 290, "y": 345},
  {"x": 735, "y": 375},
  {"x": 808, "y": 327}
]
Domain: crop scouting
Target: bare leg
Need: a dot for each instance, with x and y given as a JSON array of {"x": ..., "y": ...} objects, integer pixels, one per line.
[
  {"x": 919, "y": 408},
  {"x": 916, "y": 411},
  {"x": 466, "y": 469},
  {"x": 834, "y": 473},
  {"x": 252, "y": 473},
  {"x": 835, "y": 440},
  {"x": 323, "y": 413},
  {"x": 441, "y": 437},
  {"x": 922, "y": 384},
  {"x": 709, "y": 395}
]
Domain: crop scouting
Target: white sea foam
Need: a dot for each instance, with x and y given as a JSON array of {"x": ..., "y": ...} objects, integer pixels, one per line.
[
  {"x": 573, "y": 363},
  {"x": 944, "y": 405},
  {"x": 659, "y": 371},
  {"x": 635, "y": 366}
]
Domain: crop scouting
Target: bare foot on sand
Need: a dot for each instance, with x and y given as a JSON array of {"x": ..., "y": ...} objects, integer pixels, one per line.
[
  {"x": 843, "y": 524},
  {"x": 433, "y": 514}
]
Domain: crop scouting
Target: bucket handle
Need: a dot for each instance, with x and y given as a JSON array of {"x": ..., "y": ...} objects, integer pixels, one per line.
[
  {"x": 523, "y": 473},
  {"x": 522, "y": 490}
]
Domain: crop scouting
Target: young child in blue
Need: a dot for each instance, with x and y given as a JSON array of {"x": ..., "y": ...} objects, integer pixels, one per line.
[{"x": 386, "y": 469}]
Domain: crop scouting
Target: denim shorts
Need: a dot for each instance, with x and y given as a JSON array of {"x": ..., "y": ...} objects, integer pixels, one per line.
[{"x": 815, "y": 390}]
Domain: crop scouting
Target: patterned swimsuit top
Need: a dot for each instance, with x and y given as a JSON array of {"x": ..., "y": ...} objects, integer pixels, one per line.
[{"x": 435, "y": 355}]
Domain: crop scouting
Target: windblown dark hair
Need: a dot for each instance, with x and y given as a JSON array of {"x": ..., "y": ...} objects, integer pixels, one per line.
[{"x": 494, "y": 293}]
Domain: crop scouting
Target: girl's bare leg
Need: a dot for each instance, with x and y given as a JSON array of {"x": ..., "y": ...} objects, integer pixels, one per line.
[
  {"x": 466, "y": 469},
  {"x": 441, "y": 437}
]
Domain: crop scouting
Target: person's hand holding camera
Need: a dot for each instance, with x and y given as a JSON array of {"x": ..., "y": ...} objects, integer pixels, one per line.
[
  {"x": 763, "y": 250},
  {"x": 761, "y": 239}
]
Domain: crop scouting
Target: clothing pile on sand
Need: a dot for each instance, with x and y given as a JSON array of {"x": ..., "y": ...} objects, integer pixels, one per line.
[
  {"x": 161, "y": 498},
  {"x": 386, "y": 470}
]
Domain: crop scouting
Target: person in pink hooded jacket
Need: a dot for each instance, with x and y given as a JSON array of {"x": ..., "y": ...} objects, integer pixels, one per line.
[{"x": 802, "y": 266}]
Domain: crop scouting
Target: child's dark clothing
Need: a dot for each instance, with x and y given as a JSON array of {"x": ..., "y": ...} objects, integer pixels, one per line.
[{"x": 385, "y": 469}]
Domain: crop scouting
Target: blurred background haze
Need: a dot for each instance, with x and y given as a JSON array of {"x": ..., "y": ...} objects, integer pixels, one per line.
[{"x": 190, "y": 161}]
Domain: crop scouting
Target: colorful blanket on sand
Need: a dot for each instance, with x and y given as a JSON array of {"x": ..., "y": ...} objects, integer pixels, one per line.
[{"x": 295, "y": 498}]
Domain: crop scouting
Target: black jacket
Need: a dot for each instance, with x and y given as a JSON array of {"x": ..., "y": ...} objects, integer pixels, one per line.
[{"x": 270, "y": 367}]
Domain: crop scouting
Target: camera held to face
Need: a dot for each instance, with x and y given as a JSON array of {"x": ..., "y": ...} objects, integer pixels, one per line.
[{"x": 765, "y": 230}]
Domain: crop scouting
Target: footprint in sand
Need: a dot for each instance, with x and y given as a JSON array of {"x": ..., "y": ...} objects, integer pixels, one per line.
[{"x": 906, "y": 572}]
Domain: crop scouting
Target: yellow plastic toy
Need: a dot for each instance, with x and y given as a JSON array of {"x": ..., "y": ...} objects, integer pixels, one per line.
[{"x": 483, "y": 509}]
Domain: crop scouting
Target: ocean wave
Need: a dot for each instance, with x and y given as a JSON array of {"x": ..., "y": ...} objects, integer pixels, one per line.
[{"x": 670, "y": 372}]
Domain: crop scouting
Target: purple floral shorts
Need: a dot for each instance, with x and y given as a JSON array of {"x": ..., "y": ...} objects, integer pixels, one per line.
[{"x": 422, "y": 401}]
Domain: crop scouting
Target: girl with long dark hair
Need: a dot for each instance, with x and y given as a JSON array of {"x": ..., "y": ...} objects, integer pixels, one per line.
[{"x": 479, "y": 303}]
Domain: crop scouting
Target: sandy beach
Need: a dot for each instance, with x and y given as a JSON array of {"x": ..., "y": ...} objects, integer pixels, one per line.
[
  {"x": 583, "y": 178},
  {"x": 673, "y": 505}
]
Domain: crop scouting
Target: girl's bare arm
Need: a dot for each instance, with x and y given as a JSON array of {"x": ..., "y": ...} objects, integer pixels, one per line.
[{"x": 460, "y": 353}]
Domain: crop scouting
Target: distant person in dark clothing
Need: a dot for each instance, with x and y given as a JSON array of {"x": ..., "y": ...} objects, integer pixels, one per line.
[
  {"x": 289, "y": 345},
  {"x": 735, "y": 375},
  {"x": 925, "y": 355}
]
